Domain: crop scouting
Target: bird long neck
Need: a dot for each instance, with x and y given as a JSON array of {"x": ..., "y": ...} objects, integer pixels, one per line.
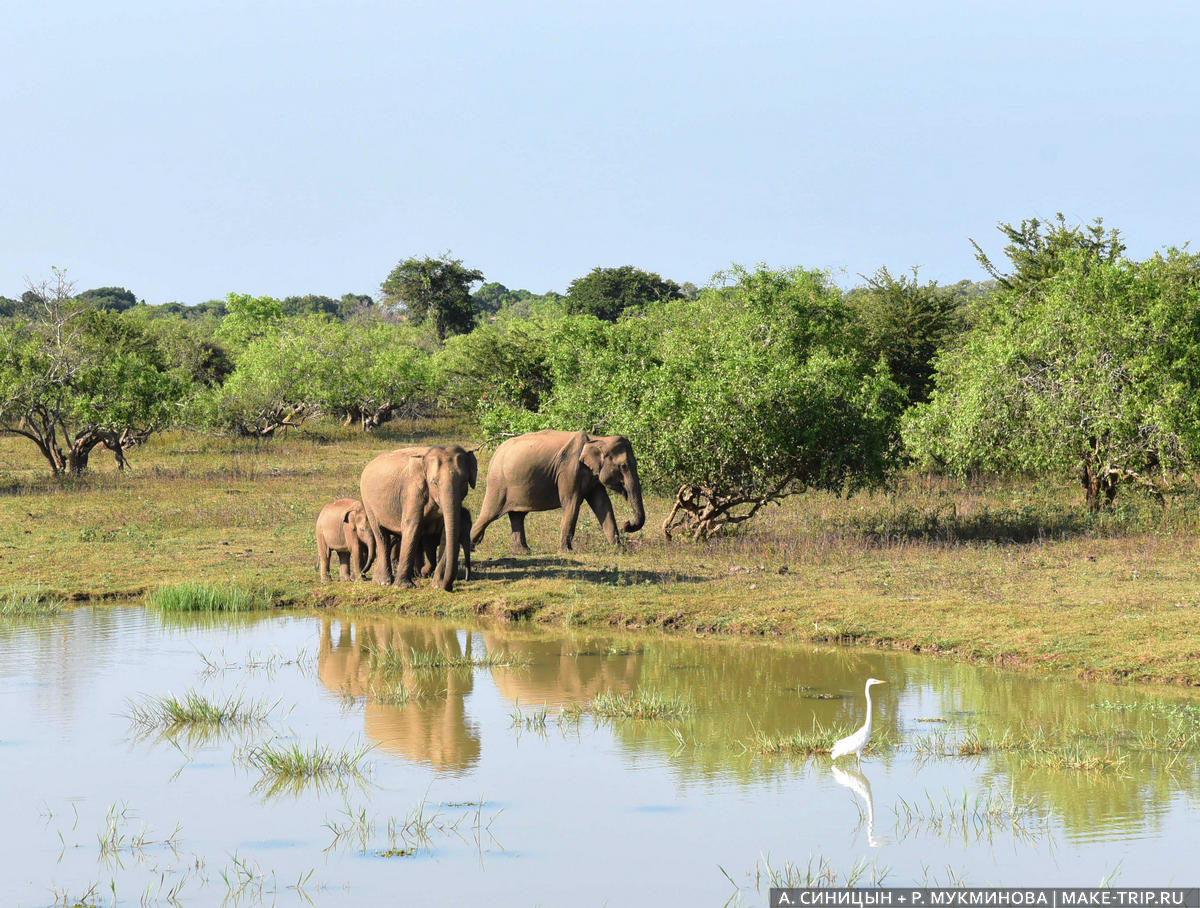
[{"x": 867, "y": 724}]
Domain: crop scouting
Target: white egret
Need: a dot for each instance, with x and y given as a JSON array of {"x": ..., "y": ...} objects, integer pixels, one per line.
[{"x": 854, "y": 744}]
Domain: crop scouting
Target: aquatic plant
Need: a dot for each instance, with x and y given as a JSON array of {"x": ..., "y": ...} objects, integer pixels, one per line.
[
  {"x": 291, "y": 763},
  {"x": 208, "y": 597},
  {"x": 639, "y": 704},
  {"x": 818, "y": 740},
  {"x": 194, "y": 708}
]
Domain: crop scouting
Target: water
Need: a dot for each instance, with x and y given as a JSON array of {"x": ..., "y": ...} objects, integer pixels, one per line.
[{"x": 582, "y": 812}]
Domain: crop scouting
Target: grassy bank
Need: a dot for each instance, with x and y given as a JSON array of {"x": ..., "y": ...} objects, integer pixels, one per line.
[{"x": 1012, "y": 573}]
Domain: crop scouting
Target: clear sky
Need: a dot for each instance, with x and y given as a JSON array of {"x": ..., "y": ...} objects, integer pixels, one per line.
[{"x": 185, "y": 150}]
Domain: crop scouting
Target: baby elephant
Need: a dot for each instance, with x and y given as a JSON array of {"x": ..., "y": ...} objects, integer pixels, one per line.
[{"x": 342, "y": 527}]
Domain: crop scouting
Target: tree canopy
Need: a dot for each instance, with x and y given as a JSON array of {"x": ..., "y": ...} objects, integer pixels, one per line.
[
  {"x": 75, "y": 377},
  {"x": 1087, "y": 364},
  {"x": 607, "y": 292},
  {"x": 437, "y": 290}
]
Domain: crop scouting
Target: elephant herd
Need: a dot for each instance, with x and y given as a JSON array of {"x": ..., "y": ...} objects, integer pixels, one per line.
[{"x": 413, "y": 521}]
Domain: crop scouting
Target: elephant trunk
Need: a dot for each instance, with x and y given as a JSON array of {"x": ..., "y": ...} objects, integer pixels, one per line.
[
  {"x": 634, "y": 494},
  {"x": 370, "y": 553},
  {"x": 452, "y": 514}
]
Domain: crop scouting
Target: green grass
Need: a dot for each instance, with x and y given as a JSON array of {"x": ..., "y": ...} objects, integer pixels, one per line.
[
  {"x": 195, "y": 709},
  {"x": 294, "y": 762},
  {"x": 206, "y": 597},
  {"x": 20, "y": 602},
  {"x": 389, "y": 660},
  {"x": 639, "y": 704},
  {"x": 818, "y": 740}
]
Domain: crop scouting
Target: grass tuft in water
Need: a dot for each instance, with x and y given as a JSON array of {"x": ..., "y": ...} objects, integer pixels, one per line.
[
  {"x": 26, "y": 602},
  {"x": 640, "y": 704},
  {"x": 195, "y": 709},
  {"x": 819, "y": 740},
  {"x": 293, "y": 762},
  {"x": 207, "y": 597}
]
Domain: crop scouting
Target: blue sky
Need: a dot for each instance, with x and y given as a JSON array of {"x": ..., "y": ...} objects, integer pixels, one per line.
[{"x": 188, "y": 150}]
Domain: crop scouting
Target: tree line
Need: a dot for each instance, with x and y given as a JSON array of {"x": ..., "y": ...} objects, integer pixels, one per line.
[{"x": 1070, "y": 359}]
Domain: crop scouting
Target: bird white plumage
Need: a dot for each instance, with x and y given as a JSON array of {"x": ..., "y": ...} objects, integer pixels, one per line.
[{"x": 854, "y": 744}]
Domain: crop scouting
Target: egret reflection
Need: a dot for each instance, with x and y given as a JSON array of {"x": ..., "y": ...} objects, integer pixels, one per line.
[{"x": 861, "y": 786}]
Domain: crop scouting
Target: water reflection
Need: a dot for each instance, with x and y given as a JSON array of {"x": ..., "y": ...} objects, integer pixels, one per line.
[
  {"x": 861, "y": 786},
  {"x": 434, "y": 729}
]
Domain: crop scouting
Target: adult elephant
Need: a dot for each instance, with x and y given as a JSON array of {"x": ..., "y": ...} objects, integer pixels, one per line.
[
  {"x": 545, "y": 470},
  {"x": 404, "y": 491}
]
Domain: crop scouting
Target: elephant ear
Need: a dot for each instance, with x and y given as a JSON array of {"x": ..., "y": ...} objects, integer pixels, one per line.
[
  {"x": 591, "y": 457},
  {"x": 472, "y": 468}
]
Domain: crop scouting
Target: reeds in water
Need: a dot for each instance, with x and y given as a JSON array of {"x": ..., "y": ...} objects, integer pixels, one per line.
[{"x": 208, "y": 597}]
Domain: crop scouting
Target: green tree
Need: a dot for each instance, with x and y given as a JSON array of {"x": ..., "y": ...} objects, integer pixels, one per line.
[
  {"x": 1038, "y": 250},
  {"x": 316, "y": 365},
  {"x": 1092, "y": 370},
  {"x": 906, "y": 323},
  {"x": 114, "y": 299},
  {"x": 310, "y": 305},
  {"x": 249, "y": 318},
  {"x": 434, "y": 290},
  {"x": 77, "y": 377},
  {"x": 746, "y": 394},
  {"x": 607, "y": 292}
]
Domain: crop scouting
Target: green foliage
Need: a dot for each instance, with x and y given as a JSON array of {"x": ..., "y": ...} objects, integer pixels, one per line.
[
  {"x": 906, "y": 323},
  {"x": 607, "y": 292},
  {"x": 1038, "y": 250},
  {"x": 249, "y": 318},
  {"x": 743, "y": 395},
  {"x": 435, "y": 290},
  {"x": 114, "y": 299},
  {"x": 365, "y": 371},
  {"x": 310, "y": 305},
  {"x": 78, "y": 377},
  {"x": 1094, "y": 368}
]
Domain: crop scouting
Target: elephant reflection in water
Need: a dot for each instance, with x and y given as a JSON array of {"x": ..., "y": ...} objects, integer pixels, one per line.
[
  {"x": 431, "y": 730},
  {"x": 560, "y": 671}
]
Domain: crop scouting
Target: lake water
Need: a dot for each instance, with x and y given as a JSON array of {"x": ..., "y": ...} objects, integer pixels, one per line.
[{"x": 467, "y": 797}]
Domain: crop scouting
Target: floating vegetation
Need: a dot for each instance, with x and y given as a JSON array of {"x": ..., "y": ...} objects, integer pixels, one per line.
[
  {"x": 639, "y": 704},
  {"x": 207, "y": 597},
  {"x": 965, "y": 816},
  {"x": 1032, "y": 747},
  {"x": 393, "y": 693},
  {"x": 27, "y": 602},
  {"x": 534, "y": 721},
  {"x": 385, "y": 659},
  {"x": 1186, "y": 711},
  {"x": 269, "y": 664},
  {"x": 170, "y": 712},
  {"x": 405, "y": 837}
]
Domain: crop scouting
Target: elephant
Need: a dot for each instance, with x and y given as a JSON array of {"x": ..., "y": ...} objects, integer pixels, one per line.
[
  {"x": 541, "y": 471},
  {"x": 342, "y": 527},
  {"x": 407, "y": 490},
  {"x": 433, "y": 534}
]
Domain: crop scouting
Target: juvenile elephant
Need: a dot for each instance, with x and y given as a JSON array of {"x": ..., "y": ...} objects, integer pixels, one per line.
[
  {"x": 545, "y": 470},
  {"x": 407, "y": 490},
  {"x": 434, "y": 534},
  {"x": 342, "y": 527}
]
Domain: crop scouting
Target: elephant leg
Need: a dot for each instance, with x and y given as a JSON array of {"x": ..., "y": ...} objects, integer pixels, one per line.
[
  {"x": 410, "y": 543},
  {"x": 322, "y": 559},
  {"x": 356, "y": 561},
  {"x": 602, "y": 507},
  {"x": 343, "y": 565},
  {"x": 566, "y": 534},
  {"x": 492, "y": 508},
  {"x": 516, "y": 523},
  {"x": 429, "y": 554},
  {"x": 383, "y": 550}
]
